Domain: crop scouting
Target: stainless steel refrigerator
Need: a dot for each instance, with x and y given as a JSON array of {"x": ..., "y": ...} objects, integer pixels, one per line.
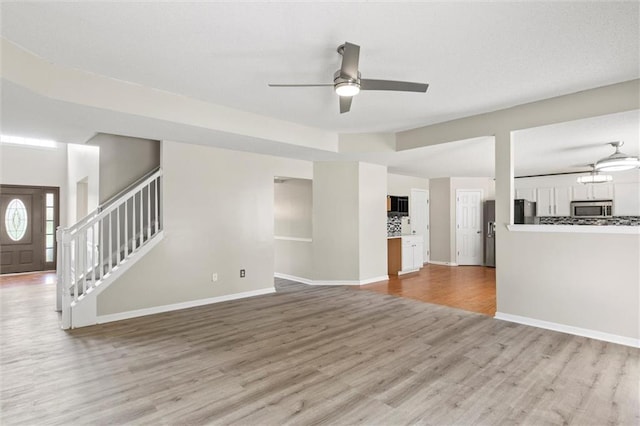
[
  {"x": 489, "y": 220},
  {"x": 523, "y": 213}
]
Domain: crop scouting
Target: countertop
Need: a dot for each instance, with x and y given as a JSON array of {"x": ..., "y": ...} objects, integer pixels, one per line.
[
  {"x": 390, "y": 236},
  {"x": 592, "y": 221}
]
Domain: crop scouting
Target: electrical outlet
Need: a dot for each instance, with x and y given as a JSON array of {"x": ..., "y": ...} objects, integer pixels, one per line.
[
  {"x": 214, "y": 277},
  {"x": 242, "y": 273}
]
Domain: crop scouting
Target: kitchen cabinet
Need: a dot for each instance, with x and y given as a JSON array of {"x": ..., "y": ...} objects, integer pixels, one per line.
[
  {"x": 412, "y": 251},
  {"x": 626, "y": 200},
  {"x": 397, "y": 206},
  {"x": 597, "y": 191},
  {"x": 553, "y": 201},
  {"x": 394, "y": 256},
  {"x": 528, "y": 194}
]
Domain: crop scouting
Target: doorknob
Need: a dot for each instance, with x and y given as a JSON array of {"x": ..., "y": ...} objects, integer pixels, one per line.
[{"x": 479, "y": 232}]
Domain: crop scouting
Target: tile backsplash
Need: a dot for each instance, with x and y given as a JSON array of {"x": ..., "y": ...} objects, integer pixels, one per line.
[
  {"x": 394, "y": 225},
  {"x": 609, "y": 221}
]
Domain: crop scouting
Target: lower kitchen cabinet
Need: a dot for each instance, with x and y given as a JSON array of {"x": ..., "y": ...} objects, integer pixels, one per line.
[
  {"x": 412, "y": 251},
  {"x": 405, "y": 254}
]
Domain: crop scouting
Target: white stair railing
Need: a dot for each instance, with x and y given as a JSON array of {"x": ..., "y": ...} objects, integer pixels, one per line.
[{"x": 92, "y": 251}]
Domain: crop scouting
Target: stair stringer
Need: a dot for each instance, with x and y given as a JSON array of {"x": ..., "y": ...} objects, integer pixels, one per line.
[{"x": 84, "y": 311}]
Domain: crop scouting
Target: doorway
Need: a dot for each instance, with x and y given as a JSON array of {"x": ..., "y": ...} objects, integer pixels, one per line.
[
  {"x": 469, "y": 227},
  {"x": 29, "y": 216}
]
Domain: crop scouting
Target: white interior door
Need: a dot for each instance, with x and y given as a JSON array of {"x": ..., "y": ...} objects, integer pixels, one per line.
[
  {"x": 419, "y": 214},
  {"x": 469, "y": 226}
]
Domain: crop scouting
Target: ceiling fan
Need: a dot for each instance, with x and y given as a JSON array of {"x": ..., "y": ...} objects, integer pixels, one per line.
[{"x": 347, "y": 82}]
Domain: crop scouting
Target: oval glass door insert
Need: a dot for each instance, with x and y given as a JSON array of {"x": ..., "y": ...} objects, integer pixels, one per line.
[{"x": 15, "y": 219}]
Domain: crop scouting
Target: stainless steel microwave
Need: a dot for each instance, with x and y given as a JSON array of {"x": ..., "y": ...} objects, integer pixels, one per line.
[{"x": 592, "y": 208}]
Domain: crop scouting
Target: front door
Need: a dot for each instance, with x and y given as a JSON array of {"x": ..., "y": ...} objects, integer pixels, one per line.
[
  {"x": 28, "y": 219},
  {"x": 469, "y": 226}
]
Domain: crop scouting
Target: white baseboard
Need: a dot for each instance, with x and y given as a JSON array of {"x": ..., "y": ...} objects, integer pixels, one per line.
[
  {"x": 577, "y": 331},
  {"x": 182, "y": 305},
  {"x": 293, "y": 278},
  {"x": 435, "y": 262},
  {"x": 333, "y": 282},
  {"x": 374, "y": 280},
  {"x": 408, "y": 271}
]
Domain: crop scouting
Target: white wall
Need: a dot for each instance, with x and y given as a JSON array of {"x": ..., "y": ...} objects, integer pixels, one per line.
[
  {"x": 83, "y": 162},
  {"x": 590, "y": 281},
  {"x": 123, "y": 161},
  {"x": 218, "y": 217},
  {"x": 336, "y": 221},
  {"x": 293, "y": 228},
  {"x": 526, "y": 261},
  {"x": 35, "y": 166},
  {"x": 440, "y": 220},
  {"x": 349, "y": 222},
  {"x": 401, "y": 185},
  {"x": 373, "y": 222},
  {"x": 293, "y": 208}
]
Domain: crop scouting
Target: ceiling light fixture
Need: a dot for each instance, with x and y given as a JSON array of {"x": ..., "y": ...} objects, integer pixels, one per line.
[
  {"x": 617, "y": 161},
  {"x": 347, "y": 88},
  {"x": 594, "y": 177}
]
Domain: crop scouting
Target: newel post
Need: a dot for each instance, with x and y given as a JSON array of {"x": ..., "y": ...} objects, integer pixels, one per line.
[{"x": 64, "y": 275}]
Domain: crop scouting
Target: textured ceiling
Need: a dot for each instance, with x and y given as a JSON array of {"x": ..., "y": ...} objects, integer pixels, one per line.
[{"x": 477, "y": 57}]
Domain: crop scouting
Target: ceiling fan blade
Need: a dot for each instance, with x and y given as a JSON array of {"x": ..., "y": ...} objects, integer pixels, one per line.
[
  {"x": 300, "y": 85},
  {"x": 350, "y": 59},
  {"x": 399, "y": 86},
  {"x": 345, "y": 103}
]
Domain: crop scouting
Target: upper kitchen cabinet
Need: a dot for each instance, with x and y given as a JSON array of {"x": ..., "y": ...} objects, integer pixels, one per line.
[
  {"x": 553, "y": 201},
  {"x": 598, "y": 191},
  {"x": 528, "y": 194},
  {"x": 626, "y": 199},
  {"x": 397, "y": 206}
]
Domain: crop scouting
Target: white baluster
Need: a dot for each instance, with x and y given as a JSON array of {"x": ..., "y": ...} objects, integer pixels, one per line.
[
  {"x": 118, "y": 235},
  {"x": 157, "y": 188},
  {"x": 110, "y": 243},
  {"x": 133, "y": 223},
  {"x": 93, "y": 256},
  {"x": 149, "y": 211},
  {"x": 101, "y": 248},
  {"x": 126, "y": 229},
  {"x": 141, "y": 218},
  {"x": 76, "y": 276}
]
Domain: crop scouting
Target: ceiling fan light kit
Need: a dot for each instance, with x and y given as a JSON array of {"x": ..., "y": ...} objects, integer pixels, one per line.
[
  {"x": 617, "y": 161},
  {"x": 594, "y": 177},
  {"x": 347, "y": 89},
  {"x": 347, "y": 82}
]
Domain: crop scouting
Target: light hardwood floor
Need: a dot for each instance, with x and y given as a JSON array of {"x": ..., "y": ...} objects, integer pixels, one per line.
[
  {"x": 472, "y": 288},
  {"x": 306, "y": 355}
]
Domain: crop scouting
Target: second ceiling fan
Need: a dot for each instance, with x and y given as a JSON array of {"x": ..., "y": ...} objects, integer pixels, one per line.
[{"x": 347, "y": 82}]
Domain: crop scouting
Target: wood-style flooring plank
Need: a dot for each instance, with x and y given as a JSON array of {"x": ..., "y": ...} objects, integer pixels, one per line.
[
  {"x": 471, "y": 288},
  {"x": 305, "y": 355}
]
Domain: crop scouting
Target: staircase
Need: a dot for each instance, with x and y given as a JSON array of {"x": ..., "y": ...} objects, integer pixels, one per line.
[{"x": 94, "y": 252}]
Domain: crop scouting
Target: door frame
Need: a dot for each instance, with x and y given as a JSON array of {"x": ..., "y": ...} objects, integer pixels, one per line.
[
  {"x": 46, "y": 266},
  {"x": 457, "y": 252}
]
